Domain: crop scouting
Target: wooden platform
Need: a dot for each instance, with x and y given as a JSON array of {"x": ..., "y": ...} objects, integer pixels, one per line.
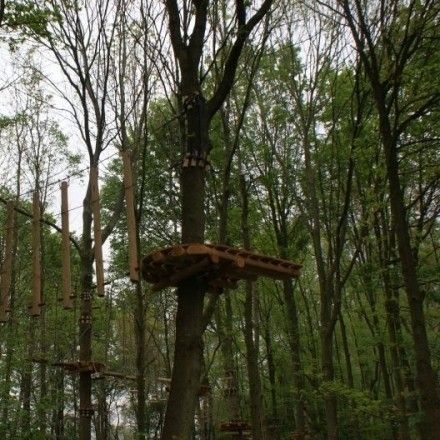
[
  {"x": 98, "y": 369},
  {"x": 236, "y": 426},
  {"x": 219, "y": 266},
  {"x": 204, "y": 389},
  {"x": 79, "y": 367}
]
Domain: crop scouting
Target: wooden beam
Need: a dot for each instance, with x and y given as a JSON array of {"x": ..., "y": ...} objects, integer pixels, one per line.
[
  {"x": 133, "y": 257},
  {"x": 6, "y": 270},
  {"x": 96, "y": 210},
  {"x": 65, "y": 247},
  {"x": 35, "y": 309}
]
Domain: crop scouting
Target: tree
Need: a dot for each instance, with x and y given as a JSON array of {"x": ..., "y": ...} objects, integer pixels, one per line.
[{"x": 188, "y": 49}]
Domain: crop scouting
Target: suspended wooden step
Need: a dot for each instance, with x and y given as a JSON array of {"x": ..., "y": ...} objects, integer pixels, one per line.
[
  {"x": 6, "y": 269},
  {"x": 131, "y": 219},
  {"x": 103, "y": 374},
  {"x": 96, "y": 210},
  {"x": 219, "y": 266},
  {"x": 35, "y": 307},
  {"x": 158, "y": 404},
  {"x": 65, "y": 247},
  {"x": 237, "y": 426},
  {"x": 96, "y": 368},
  {"x": 80, "y": 367}
]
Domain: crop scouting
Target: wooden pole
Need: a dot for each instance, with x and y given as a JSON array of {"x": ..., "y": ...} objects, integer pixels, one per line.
[
  {"x": 99, "y": 265},
  {"x": 35, "y": 309},
  {"x": 131, "y": 220},
  {"x": 65, "y": 247},
  {"x": 6, "y": 271}
]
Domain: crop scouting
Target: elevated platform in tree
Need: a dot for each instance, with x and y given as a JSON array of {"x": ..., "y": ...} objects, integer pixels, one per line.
[
  {"x": 239, "y": 427},
  {"x": 98, "y": 369},
  {"x": 204, "y": 389},
  {"x": 219, "y": 266},
  {"x": 80, "y": 367}
]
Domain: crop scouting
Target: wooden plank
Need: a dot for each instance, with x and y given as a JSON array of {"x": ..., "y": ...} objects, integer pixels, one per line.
[
  {"x": 35, "y": 309},
  {"x": 65, "y": 248},
  {"x": 197, "y": 249},
  {"x": 96, "y": 210},
  {"x": 131, "y": 219},
  {"x": 6, "y": 271}
]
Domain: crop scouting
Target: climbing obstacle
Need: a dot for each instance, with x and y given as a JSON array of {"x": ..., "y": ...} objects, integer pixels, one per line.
[
  {"x": 6, "y": 268},
  {"x": 219, "y": 266}
]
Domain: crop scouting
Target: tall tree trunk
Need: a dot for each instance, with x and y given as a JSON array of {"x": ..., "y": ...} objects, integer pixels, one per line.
[
  {"x": 250, "y": 333},
  {"x": 271, "y": 371},
  {"x": 188, "y": 350},
  {"x": 58, "y": 413},
  {"x": 225, "y": 324},
  {"x": 26, "y": 382},
  {"x": 190, "y": 325},
  {"x": 425, "y": 377},
  {"x": 346, "y": 349},
  {"x": 225, "y": 333},
  {"x": 295, "y": 347}
]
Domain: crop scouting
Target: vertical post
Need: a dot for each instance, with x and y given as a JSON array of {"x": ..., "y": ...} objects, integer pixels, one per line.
[
  {"x": 6, "y": 271},
  {"x": 131, "y": 220},
  {"x": 35, "y": 308},
  {"x": 99, "y": 265},
  {"x": 65, "y": 247}
]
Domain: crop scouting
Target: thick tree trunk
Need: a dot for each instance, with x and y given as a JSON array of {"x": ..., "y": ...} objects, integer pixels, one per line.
[
  {"x": 185, "y": 380},
  {"x": 188, "y": 351}
]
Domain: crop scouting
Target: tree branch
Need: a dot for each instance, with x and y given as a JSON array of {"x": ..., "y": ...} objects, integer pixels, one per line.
[{"x": 231, "y": 64}]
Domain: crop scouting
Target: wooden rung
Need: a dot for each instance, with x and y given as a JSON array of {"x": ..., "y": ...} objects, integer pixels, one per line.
[
  {"x": 6, "y": 270},
  {"x": 118, "y": 375},
  {"x": 96, "y": 210},
  {"x": 131, "y": 218},
  {"x": 35, "y": 310},
  {"x": 65, "y": 248},
  {"x": 197, "y": 249},
  {"x": 177, "y": 251}
]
